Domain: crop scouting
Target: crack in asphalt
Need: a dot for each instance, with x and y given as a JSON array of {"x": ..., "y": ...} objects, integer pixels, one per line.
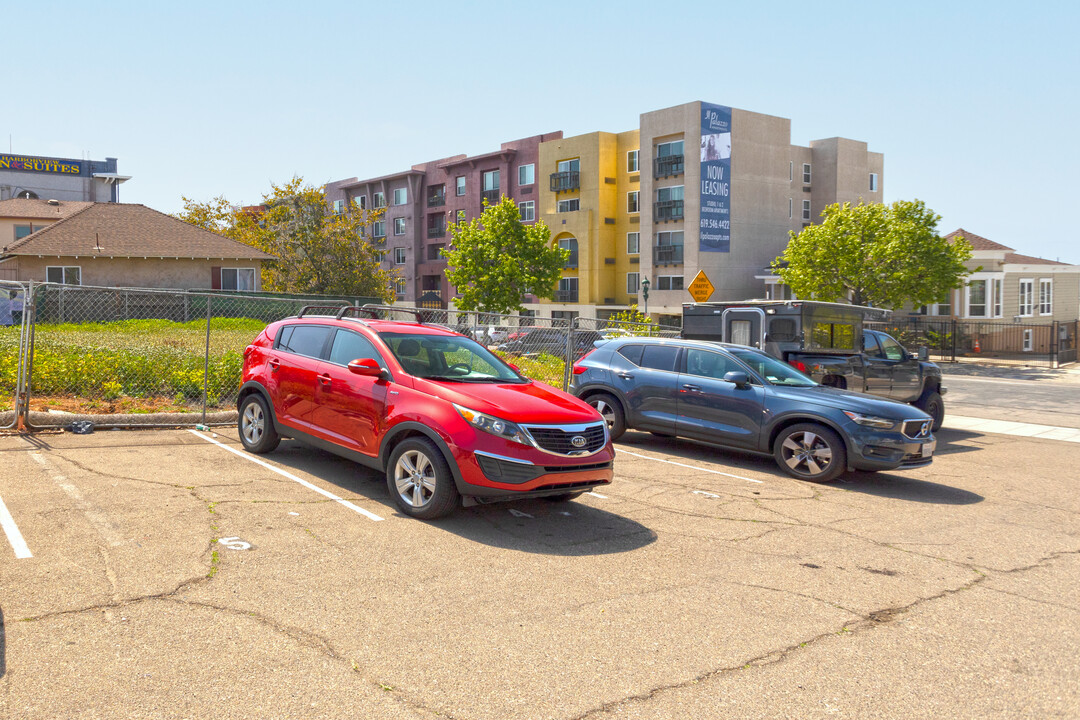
[{"x": 867, "y": 622}]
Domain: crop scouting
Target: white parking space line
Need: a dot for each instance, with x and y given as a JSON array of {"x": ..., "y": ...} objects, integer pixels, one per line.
[
  {"x": 620, "y": 451},
  {"x": 279, "y": 471},
  {"x": 95, "y": 516},
  {"x": 18, "y": 544},
  {"x": 1009, "y": 427},
  {"x": 597, "y": 495}
]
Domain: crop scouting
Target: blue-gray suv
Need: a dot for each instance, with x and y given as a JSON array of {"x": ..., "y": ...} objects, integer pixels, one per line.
[{"x": 743, "y": 398}]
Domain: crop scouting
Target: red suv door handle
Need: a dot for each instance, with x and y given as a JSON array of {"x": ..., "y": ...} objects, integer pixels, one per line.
[
  {"x": 324, "y": 379},
  {"x": 273, "y": 365}
]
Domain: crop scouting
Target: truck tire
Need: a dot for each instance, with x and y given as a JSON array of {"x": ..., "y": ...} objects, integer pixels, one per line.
[{"x": 932, "y": 404}]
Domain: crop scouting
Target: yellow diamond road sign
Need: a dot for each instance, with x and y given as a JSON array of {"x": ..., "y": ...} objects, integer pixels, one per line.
[{"x": 701, "y": 289}]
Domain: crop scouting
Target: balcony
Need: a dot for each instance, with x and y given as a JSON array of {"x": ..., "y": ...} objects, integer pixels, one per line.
[
  {"x": 565, "y": 181},
  {"x": 436, "y": 232},
  {"x": 436, "y": 200},
  {"x": 566, "y": 296},
  {"x": 668, "y": 165},
  {"x": 492, "y": 196},
  {"x": 668, "y": 210},
  {"x": 668, "y": 255}
]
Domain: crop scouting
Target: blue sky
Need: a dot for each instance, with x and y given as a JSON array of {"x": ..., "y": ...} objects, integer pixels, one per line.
[{"x": 972, "y": 103}]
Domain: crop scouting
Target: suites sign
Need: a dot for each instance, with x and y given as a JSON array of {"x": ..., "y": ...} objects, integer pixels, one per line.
[
  {"x": 715, "y": 229},
  {"x": 40, "y": 165}
]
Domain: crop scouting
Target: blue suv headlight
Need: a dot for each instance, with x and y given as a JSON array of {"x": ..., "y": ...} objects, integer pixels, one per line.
[
  {"x": 871, "y": 420},
  {"x": 496, "y": 426}
]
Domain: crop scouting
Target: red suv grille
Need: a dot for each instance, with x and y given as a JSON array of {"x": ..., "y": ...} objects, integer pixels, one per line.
[{"x": 561, "y": 442}]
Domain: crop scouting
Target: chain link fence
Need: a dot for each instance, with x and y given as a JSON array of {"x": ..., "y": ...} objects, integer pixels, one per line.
[{"x": 138, "y": 357}]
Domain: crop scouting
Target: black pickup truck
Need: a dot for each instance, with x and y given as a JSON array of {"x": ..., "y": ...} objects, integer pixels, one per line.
[{"x": 828, "y": 342}]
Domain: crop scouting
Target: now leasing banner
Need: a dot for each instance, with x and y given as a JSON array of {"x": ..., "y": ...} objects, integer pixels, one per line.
[{"x": 715, "y": 231}]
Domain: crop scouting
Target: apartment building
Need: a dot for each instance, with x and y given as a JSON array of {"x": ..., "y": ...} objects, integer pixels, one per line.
[
  {"x": 713, "y": 189},
  {"x": 420, "y": 203}
]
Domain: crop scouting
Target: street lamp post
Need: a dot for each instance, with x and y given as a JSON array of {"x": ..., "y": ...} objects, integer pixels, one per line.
[{"x": 645, "y": 295}]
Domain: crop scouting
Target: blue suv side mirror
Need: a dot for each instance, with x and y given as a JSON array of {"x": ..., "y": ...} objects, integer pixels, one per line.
[{"x": 740, "y": 379}]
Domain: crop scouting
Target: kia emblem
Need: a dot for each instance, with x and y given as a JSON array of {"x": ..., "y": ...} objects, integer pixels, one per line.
[{"x": 578, "y": 441}]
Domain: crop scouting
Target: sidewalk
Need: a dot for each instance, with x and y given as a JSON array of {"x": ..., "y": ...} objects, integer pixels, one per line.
[{"x": 1069, "y": 373}]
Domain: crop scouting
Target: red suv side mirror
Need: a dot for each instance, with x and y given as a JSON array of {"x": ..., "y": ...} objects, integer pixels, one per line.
[{"x": 365, "y": 366}]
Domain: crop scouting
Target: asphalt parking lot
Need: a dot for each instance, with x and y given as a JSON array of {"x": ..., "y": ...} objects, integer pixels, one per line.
[{"x": 165, "y": 574}]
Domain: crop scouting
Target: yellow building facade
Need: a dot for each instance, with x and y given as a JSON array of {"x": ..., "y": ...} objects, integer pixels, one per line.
[{"x": 588, "y": 197}]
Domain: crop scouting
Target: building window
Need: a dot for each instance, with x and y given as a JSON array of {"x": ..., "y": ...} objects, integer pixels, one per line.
[
  {"x": 806, "y": 173},
  {"x": 632, "y": 202},
  {"x": 399, "y": 256},
  {"x": 461, "y": 216},
  {"x": 526, "y": 174},
  {"x": 378, "y": 229},
  {"x": 527, "y": 210},
  {"x": 69, "y": 275},
  {"x": 400, "y": 286},
  {"x": 873, "y": 182},
  {"x": 790, "y": 205},
  {"x": 568, "y": 290},
  {"x": 491, "y": 180},
  {"x": 806, "y": 210},
  {"x": 399, "y": 226},
  {"x": 944, "y": 306},
  {"x": 378, "y": 200},
  {"x": 791, "y": 171},
  {"x": 360, "y": 201},
  {"x": 434, "y": 252},
  {"x": 1026, "y": 292},
  {"x": 669, "y": 282},
  {"x": 1029, "y": 340},
  {"x": 1046, "y": 296},
  {"x": 459, "y": 188},
  {"x": 569, "y": 165},
  {"x": 339, "y": 207},
  {"x": 571, "y": 245},
  {"x": 401, "y": 196},
  {"x": 633, "y": 243},
  {"x": 632, "y": 161},
  {"x": 976, "y": 300},
  {"x": 669, "y": 149},
  {"x": 568, "y": 205},
  {"x": 237, "y": 278},
  {"x": 633, "y": 283}
]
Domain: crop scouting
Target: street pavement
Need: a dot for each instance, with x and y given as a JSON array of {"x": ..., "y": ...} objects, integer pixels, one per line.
[{"x": 172, "y": 578}]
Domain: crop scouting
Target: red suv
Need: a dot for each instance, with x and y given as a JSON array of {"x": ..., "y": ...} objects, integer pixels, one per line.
[{"x": 444, "y": 418}]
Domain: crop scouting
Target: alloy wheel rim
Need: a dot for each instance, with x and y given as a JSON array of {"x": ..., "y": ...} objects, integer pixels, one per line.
[
  {"x": 807, "y": 453},
  {"x": 607, "y": 412},
  {"x": 253, "y": 423},
  {"x": 414, "y": 478}
]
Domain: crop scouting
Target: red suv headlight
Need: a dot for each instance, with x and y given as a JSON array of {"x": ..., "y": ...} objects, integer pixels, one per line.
[{"x": 491, "y": 424}]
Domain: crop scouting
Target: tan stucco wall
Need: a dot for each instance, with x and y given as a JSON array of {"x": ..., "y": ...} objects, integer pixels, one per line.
[
  {"x": 133, "y": 272},
  {"x": 7, "y": 228}
]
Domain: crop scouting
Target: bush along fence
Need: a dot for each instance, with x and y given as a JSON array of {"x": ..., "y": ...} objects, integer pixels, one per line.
[
  {"x": 1048, "y": 344},
  {"x": 139, "y": 357}
]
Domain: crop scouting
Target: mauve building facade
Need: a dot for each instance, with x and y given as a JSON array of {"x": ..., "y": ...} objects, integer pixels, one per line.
[{"x": 422, "y": 201}]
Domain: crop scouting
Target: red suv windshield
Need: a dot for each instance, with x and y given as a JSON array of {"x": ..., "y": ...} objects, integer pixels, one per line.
[{"x": 450, "y": 358}]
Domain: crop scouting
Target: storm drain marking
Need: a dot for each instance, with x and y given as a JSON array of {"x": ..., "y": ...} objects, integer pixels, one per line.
[
  {"x": 691, "y": 467},
  {"x": 18, "y": 543},
  {"x": 294, "y": 478}
]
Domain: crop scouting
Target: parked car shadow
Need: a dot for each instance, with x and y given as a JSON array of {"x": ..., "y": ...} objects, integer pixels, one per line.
[
  {"x": 901, "y": 487},
  {"x": 950, "y": 441},
  {"x": 572, "y": 528}
]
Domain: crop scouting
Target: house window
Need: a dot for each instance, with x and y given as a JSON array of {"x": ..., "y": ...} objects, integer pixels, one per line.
[
  {"x": 632, "y": 202},
  {"x": 399, "y": 226},
  {"x": 401, "y": 196},
  {"x": 378, "y": 229},
  {"x": 527, "y": 210},
  {"x": 873, "y": 182},
  {"x": 995, "y": 287},
  {"x": 976, "y": 303},
  {"x": 1026, "y": 292},
  {"x": 399, "y": 256},
  {"x": 237, "y": 278},
  {"x": 339, "y": 207},
  {"x": 669, "y": 282},
  {"x": 526, "y": 174},
  {"x": 1046, "y": 296},
  {"x": 632, "y": 161},
  {"x": 378, "y": 200},
  {"x": 568, "y": 205},
  {"x": 633, "y": 243},
  {"x": 360, "y": 201},
  {"x": 22, "y": 231},
  {"x": 459, "y": 188},
  {"x": 806, "y": 173},
  {"x": 806, "y": 210},
  {"x": 68, "y": 275},
  {"x": 1029, "y": 340},
  {"x": 944, "y": 306},
  {"x": 633, "y": 282}
]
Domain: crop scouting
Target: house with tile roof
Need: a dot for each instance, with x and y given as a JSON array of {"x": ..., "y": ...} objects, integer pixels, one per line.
[
  {"x": 1007, "y": 285},
  {"x": 119, "y": 245}
]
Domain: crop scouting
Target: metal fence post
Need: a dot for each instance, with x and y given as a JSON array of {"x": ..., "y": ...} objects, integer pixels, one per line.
[
  {"x": 26, "y": 341},
  {"x": 206, "y": 361},
  {"x": 569, "y": 360}
]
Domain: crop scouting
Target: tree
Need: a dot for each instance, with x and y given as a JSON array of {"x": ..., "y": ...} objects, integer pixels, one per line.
[
  {"x": 495, "y": 259},
  {"x": 876, "y": 254},
  {"x": 317, "y": 251}
]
